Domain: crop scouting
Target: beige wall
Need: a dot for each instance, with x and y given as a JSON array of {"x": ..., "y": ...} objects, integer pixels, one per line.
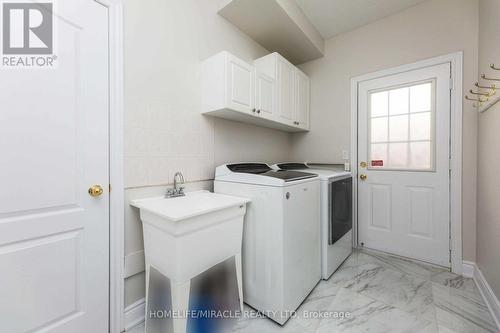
[
  {"x": 165, "y": 42},
  {"x": 488, "y": 193},
  {"x": 430, "y": 29}
]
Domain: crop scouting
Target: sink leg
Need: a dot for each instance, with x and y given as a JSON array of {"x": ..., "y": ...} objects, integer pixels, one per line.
[
  {"x": 239, "y": 278},
  {"x": 180, "y": 303},
  {"x": 147, "y": 279}
]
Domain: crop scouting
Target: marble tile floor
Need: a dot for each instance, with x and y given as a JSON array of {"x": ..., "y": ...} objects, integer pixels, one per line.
[{"x": 384, "y": 293}]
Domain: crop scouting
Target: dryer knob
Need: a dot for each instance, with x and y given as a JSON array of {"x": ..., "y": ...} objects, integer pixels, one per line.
[{"x": 287, "y": 195}]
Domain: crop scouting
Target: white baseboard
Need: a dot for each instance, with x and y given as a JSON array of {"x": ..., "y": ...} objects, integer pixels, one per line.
[
  {"x": 134, "y": 264},
  {"x": 484, "y": 288},
  {"x": 135, "y": 313},
  {"x": 468, "y": 268}
]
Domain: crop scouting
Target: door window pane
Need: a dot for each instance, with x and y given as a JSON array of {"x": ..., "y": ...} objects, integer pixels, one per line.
[
  {"x": 379, "y": 152},
  {"x": 420, "y": 126},
  {"x": 398, "y": 128},
  {"x": 420, "y": 97},
  {"x": 420, "y": 155},
  {"x": 380, "y": 104},
  {"x": 398, "y": 155},
  {"x": 401, "y": 126},
  {"x": 398, "y": 101},
  {"x": 379, "y": 129}
]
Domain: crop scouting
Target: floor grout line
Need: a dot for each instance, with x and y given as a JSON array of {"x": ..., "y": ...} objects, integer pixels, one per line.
[{"x": 375, "y": 313}]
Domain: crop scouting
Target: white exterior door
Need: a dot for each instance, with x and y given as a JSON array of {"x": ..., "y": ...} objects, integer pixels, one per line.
[
  {"x": 265, "y": 95},
  {"x": 54, "y": 236},
  {"x": 404, "y": 154}
]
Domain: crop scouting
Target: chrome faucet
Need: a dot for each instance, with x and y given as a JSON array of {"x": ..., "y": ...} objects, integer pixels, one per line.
[{"x": 178, "y": 190}]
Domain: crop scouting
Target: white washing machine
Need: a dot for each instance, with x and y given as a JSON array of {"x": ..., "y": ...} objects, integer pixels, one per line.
[
  {"x": 281, "y": 235},
  {"x": 336, "y": 214}
]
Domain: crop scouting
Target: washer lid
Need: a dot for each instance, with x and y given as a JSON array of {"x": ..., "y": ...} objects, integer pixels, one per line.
[
  {"x": 255, "y": 168},
  {"x": 289, "y": 176},
  {"x": 264, "y": 170},
  {"x": 292, "y": 166}
]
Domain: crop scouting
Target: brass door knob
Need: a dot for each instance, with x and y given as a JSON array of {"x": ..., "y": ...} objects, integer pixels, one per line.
[
  {"x": 363, "y": 177},
  {"x": 95, "y": 190}
]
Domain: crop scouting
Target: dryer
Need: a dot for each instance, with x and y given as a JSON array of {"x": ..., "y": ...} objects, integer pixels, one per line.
[
  {"x": 336, "y": 214},
  {"x": 281, "y": 235}
]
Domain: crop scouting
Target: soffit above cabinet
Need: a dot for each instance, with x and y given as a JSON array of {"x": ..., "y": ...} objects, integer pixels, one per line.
[{"x": 278, "y": 25}]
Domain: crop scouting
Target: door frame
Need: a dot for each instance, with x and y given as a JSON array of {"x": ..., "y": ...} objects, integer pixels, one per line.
[
  {"x": 456, "y": 94},
  {"x": 116, "y": 176}
]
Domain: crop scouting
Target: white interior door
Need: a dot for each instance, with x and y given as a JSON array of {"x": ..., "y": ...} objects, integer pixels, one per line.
[
  {"x": 54, "y": 236},
  {"x": 404, "y": 154}
]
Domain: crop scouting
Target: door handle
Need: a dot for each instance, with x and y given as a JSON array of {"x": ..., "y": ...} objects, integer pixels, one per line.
[
  {"x": 363, "y": 176},
  {"x": 95, "y": 190}
]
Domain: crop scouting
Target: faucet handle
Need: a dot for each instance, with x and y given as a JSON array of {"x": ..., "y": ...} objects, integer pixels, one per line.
[{"x": 178, "y": 180}]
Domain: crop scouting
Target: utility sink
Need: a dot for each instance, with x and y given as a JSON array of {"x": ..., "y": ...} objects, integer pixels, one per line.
[
  {"x": 191, "y": 205},
  {"x": 185, "y": 237}
]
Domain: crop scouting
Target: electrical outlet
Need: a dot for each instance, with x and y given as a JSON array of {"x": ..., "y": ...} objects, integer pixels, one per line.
[{"x": 345, "y": 155}]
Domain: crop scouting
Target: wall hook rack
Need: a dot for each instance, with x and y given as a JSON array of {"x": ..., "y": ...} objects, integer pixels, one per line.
[
  {"x": 478, "y": 102},
  {"x": 489, "y": 78},
  {"x": 492, "y": 87},
  {"x": 479, "y": 99},
  {"x": 492, "y": 66},
  {"x": 485, "y": 100},
  {"x": 481, "y": 93}
]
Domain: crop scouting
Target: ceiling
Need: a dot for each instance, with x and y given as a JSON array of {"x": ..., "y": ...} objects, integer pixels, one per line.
[{"x": 333, "y": 17}]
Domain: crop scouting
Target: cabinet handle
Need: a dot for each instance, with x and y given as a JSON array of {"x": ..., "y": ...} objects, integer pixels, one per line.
[
  {"x": 253, "y": 110},
  {"x": 258, "y": 111}
]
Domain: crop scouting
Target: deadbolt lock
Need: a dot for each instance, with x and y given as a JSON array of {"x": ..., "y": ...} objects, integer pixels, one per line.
[{"x": 362, "y": 164}]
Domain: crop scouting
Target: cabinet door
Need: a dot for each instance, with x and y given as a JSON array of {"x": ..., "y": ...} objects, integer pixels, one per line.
[
  {"x": 240, "y": 83},
  {"x": 265, "y": 95},
  {"x": 302, "y": 96},
  {"x": 286, "y": 92}
]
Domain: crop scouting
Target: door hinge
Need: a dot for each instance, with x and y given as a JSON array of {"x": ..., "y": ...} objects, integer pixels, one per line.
[
  {"x": 452, "y": 83},
  {"x": 450, "y": 252},
  {"x": 109, "y": 187}
]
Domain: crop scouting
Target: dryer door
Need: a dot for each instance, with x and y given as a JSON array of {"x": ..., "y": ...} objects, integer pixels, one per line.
[{"x": 339, "y": 209}]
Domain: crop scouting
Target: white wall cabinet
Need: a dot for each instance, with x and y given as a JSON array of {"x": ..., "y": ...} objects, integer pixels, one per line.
[
  {"x": 285, "y": 76},
  {"x": 227, "y": 83},
  {"x": 302, "y": 99},
  {"x": 292, "y": 87},
  {"x": 265, "y": 96},
  {"x": 272, "y": 93}
]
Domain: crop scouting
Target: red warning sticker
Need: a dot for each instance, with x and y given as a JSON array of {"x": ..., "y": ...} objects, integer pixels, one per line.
[{"x": 377, "y": 163}]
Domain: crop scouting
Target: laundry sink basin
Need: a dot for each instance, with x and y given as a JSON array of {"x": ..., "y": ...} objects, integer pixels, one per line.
[
  {"x": 185, "y": 237},
  {"x": 191, "y": 205}
]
